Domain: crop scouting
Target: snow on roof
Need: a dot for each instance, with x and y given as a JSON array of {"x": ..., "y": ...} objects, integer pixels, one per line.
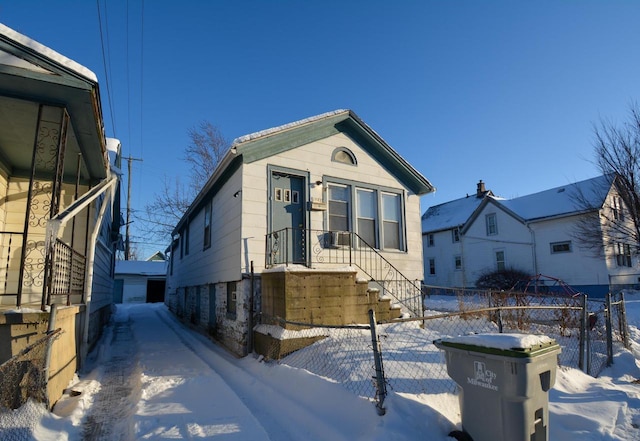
[
  {"x": 561, "y": 200},
  {"x": 503, "y": 341},
  {"x": 48, "y": 53},
  {"x": 549, "y": 203},
  {"x": 450, "y": 214},
  {"x": 113, "y": 144},
  {"x": 141, "y": 267},
  {"x": 273, "y": 130}
]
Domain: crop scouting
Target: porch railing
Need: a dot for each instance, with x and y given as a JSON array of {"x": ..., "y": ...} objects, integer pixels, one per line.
[
  {"x": 318, "y": 247},
  {"x": 67, "y": 273}
]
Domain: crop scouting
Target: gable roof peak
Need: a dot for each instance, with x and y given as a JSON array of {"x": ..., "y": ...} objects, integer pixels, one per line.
[{"x": 282, "y": 128}]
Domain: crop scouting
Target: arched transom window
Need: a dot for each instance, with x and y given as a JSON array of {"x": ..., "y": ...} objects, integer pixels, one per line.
[{"x": 344, "y": 155}]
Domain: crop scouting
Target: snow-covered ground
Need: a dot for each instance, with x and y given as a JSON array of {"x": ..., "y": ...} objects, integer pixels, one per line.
[{"x": 165, "y": 381}]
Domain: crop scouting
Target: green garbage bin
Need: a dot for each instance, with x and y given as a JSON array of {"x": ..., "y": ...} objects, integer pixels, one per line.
[{"x": 504, "y": 382}]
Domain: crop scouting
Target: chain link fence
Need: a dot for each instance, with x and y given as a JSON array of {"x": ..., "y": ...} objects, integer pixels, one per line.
[
  {"x": 24, "y": 375},
  {"x": 23, "y": 385},
  {"x": 410, "y": 363}
]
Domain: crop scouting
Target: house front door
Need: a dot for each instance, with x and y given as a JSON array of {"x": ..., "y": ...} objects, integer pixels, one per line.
[{"x": 288, "y": 215}]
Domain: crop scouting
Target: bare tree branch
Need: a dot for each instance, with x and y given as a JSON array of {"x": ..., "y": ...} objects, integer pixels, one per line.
[
  {"x": 617, "y": 152},
  {"x": 206, "y": 149}
]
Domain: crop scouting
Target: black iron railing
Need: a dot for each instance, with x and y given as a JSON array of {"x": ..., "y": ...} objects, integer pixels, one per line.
[
  {"x": 67, "y": 272},
  {"x": 316, "y": 247}
]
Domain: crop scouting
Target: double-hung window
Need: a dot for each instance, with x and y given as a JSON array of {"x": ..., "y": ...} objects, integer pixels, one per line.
[
  {"x": 375, "y": 214},
  {"x": 339, "y": 207},
  {"x": 500, "y": 261},
  {"x": 392, "y": 221},
  {"x": 492, "y": 224},
  {"x": 366, "y": 216},
  {"x": 623, "y": 254}
]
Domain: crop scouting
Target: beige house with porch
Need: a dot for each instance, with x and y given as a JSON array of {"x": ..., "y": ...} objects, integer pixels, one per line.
[{"x": 59, "y": 204}]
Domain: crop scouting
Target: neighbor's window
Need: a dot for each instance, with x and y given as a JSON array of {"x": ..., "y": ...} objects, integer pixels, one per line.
[
  {"x": 500, "y": 261},
  {"x": 492, "y": 224},
  {"x": 455, "y": 235},
  {"x": 432, "y": 267},
  {"x": 616, "y": 207},
  {"x": 338, "y": 207},
  {"x": 207, "y": 225},
  {"x": 430, "y": 240},
  {"x": 391, "y": 221},
  {"x": 561, "y": 247},
  {"x": 623, "y": 254},
  {"x": 458, "y": 262},
  {"x": 366, "y": 216},
  {"x": 231, "y": 298}
]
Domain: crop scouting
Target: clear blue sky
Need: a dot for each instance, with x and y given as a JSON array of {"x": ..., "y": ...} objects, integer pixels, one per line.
[{"x": 503, "y": 91}]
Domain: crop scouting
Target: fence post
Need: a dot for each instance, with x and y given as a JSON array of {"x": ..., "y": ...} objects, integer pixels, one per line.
[
  {"x": 47, "y": 356},
  {"x": 583, "y": 335},
  {"x": 381, "y": 388},
  {"x": 607, "y": 317},
  {"x": 623, "y": 322},
  {"x": 499, "y": 319}
]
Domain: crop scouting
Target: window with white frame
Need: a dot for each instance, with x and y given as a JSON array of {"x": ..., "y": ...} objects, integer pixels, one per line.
[
  {"x": 366, "y": 216},
  {"x": 623, "y": 254},
  {"x": 376, "y": 214},
  {"x": 457, "y": 261},
  {"x": 430, "y": 240},
  {"x": 455, "y": 235},
  {"x": 500, "y": 260},
  {"x": 492, "y": 224},
  {"x": 392, "y": 221},
  {"x": 338, "y": 207},
  {"x": 616, "y": 207},
  {"x": 432, "y": 267},
  {"x": 561, "y": 247}
]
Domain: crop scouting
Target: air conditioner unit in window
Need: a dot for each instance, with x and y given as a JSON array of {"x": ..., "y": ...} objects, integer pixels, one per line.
[{"x": 339, "y": 238}]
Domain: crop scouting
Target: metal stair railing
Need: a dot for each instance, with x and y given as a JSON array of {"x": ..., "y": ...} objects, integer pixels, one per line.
[{"x": 346, "y": 248}]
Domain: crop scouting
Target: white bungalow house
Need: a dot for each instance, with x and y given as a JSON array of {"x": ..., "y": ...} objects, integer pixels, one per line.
[
  {"x": 464, "y": 238},
  {"x": 324, "y": 195},
  {"x": 59, "y": 204}
]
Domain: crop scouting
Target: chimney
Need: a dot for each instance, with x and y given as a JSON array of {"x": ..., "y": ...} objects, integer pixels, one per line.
[{"x": 481, "y": 190}]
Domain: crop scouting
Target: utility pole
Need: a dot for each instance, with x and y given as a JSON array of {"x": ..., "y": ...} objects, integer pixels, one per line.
[{"x": 126, "y": 243}]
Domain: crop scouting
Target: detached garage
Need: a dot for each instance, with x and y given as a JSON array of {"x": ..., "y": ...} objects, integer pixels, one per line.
[{"x": 140, "y": 281}]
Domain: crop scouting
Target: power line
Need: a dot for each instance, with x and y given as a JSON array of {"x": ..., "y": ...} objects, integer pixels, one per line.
[{"x": 104, "y": 62}]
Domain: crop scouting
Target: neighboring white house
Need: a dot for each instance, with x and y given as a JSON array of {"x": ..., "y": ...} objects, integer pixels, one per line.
[
  {"x": 287, "y": 196},
  {"x": 468, "y": 237},
  {"x": 140, "y": 281}
]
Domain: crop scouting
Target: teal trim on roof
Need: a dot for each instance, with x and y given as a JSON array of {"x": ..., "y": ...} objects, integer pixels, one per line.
[{"x": 296, "y": 135}]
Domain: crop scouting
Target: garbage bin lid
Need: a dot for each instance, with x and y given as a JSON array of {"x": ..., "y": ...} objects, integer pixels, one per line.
[{"x": 512, "y": 345}]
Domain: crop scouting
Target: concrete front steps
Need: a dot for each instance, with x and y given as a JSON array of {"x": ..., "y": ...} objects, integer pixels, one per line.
[{"x": 319, "y": 297}]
